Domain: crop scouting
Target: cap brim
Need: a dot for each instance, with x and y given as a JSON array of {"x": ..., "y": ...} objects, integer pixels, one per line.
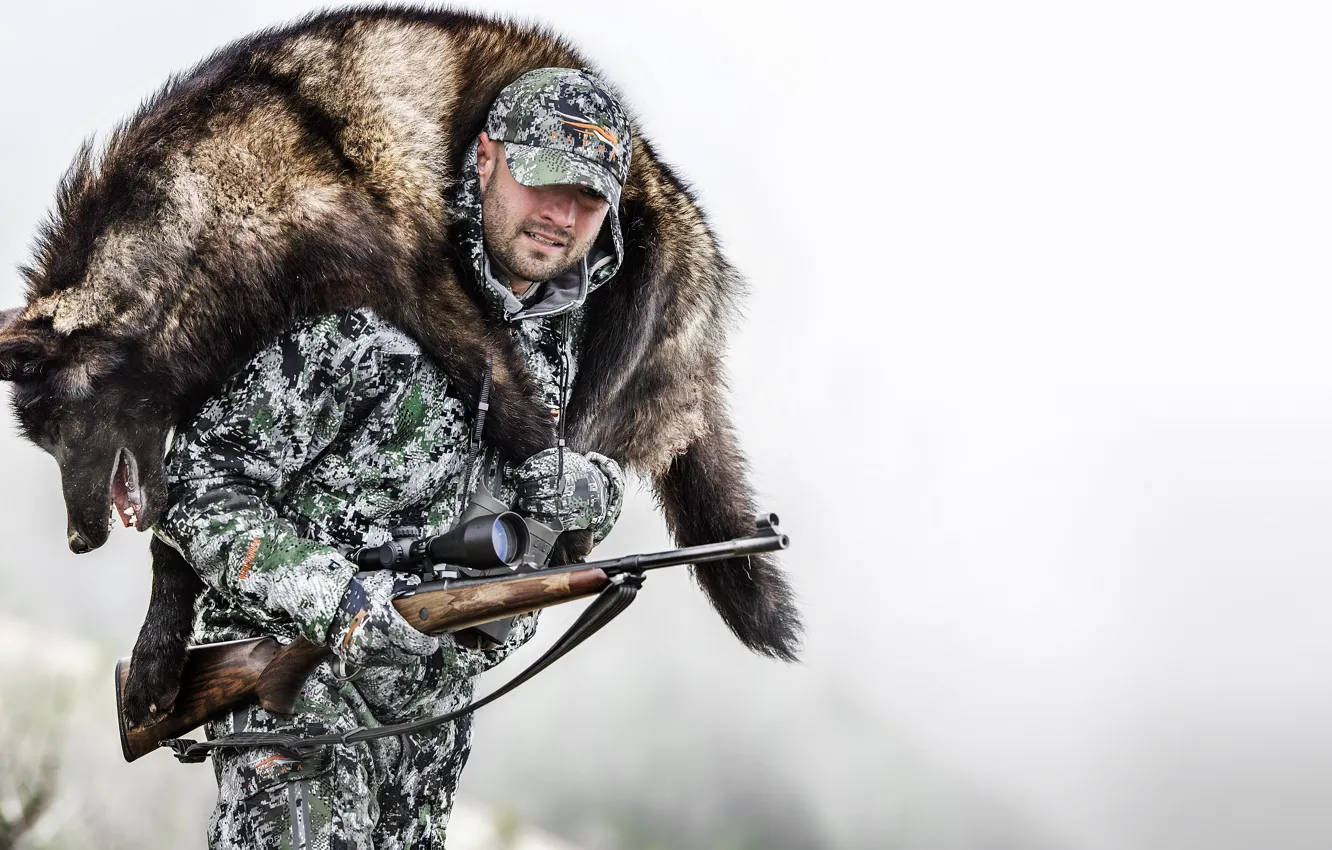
[{"x": 534, "y": 166}]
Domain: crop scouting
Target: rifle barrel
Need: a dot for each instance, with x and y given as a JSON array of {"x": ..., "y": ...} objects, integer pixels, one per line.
[
  {"x": 757, "y": 544},
  {"x": 696, "y": 554}
]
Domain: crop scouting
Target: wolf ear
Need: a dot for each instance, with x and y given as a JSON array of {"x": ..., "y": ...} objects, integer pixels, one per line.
[{"x": 24, "y": 353}]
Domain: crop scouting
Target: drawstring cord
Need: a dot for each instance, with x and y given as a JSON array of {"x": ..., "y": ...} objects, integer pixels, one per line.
[
  {"x": 474, "y": 445},
  {"x": 564, "y": 405}
]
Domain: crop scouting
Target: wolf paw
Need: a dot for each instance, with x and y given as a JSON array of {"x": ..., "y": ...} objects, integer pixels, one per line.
[{"x": 152, "y": 685}]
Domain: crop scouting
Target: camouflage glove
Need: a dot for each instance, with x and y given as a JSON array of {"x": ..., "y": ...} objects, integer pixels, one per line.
[
  {"x": 367, "y": 629},
  {"x": 581, "y": 498}
]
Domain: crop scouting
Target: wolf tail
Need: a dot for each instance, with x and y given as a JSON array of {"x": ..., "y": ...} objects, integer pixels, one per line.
[{"x": 706, "y": 497}]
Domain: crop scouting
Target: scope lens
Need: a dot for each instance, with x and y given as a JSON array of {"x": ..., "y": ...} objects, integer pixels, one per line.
[{"x": 501, "y": 537}]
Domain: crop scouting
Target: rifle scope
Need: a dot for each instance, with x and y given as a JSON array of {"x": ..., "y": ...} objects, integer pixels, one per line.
[{"x": 483, "y": 542}]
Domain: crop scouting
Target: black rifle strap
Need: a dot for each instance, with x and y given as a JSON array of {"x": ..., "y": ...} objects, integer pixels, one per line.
[{"x": 609, "y": 603}]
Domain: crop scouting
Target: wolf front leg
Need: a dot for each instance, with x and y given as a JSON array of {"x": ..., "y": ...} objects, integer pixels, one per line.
[{"x": 159, "y": 653}]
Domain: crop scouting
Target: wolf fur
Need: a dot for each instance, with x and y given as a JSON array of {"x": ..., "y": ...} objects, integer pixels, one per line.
[{"x": 309, "y": 169}]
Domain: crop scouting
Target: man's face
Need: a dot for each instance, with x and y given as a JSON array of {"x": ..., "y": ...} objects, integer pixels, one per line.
[{"x": 535, "y": 232}]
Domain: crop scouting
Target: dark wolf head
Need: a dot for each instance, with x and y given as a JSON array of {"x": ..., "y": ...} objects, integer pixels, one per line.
[
  {"x": 79, "y": 354},
  {"x": 152, "y": 278},
  {"x": 107, "y": 436},
  {"x": 203, "y": 225}
]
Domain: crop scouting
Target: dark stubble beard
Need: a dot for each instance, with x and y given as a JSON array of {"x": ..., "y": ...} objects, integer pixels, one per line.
[{"x": 504, "y": 238}]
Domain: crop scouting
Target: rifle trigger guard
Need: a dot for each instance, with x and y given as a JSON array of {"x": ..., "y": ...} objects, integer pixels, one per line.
[{"x": 340, "y": 674}]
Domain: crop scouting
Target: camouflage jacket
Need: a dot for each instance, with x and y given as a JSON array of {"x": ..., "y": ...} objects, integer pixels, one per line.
[{"x": 335, "y": 435}]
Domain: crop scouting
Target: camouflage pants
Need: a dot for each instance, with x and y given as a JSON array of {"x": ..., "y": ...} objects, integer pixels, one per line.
[{"x": 388, "y": 794}]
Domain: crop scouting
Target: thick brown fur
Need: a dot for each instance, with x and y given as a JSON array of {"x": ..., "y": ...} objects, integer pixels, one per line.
[{"x": 310, "y": 168}]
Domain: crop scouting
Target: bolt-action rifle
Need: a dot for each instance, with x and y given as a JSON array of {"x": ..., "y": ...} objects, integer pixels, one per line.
[{"x": 488, "y": 575}]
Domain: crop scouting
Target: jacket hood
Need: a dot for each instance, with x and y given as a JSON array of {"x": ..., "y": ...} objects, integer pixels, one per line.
[{"x": 551, "y": 297}]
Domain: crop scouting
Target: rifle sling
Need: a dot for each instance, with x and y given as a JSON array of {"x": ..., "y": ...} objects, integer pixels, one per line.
[{"x": 607, "y": 606}]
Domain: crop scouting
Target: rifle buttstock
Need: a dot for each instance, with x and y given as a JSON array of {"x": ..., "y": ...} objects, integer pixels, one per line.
[{"x": 216, "y": 677}]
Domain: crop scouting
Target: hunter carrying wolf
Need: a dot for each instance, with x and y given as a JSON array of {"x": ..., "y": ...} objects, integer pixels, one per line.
[{"x": 352, "y": 262}]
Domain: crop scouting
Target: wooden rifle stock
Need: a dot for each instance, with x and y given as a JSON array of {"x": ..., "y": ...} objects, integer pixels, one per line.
[{"x": 220, "y": 677}]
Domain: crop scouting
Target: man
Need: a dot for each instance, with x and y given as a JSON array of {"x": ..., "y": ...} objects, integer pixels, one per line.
[{"x": 343, "y": 431}]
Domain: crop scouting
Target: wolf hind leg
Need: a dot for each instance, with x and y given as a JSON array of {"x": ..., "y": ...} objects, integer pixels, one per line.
[
  {"x": 706, "y": 497},
  {"x": 159, "y": 653}
]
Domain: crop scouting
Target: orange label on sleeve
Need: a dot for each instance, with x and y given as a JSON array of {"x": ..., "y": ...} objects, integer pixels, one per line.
[{"x": 249, "y": 559}]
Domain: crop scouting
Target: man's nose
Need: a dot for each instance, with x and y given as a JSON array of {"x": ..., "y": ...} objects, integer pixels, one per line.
[{"x": 559, "y": 209}]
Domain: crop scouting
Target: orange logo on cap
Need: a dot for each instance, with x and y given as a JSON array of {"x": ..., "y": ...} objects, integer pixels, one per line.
[{"x": 586, "y": 127}]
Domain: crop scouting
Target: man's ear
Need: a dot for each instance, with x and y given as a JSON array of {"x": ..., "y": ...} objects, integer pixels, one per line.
[
  {"x": 25, "y": 352},
  {"x": 485, "y": 159}
]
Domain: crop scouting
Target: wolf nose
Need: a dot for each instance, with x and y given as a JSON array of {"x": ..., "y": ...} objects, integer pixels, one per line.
[{"x": 78, "y": 545}]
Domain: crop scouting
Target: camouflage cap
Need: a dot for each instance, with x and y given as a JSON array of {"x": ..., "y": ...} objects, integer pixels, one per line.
[{"x": 561, "y": 125}]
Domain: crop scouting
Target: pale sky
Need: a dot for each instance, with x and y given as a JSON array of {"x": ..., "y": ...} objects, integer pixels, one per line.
[{"x": 1034, "y": 369}]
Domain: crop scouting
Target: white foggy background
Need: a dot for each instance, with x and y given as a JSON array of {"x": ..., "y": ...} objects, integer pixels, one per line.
[{"x": 1034, "y": 370}]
